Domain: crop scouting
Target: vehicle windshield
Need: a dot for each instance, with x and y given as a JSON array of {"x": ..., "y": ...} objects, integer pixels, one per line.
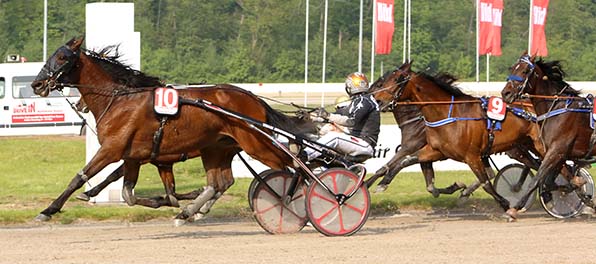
[{"x": 21, "y": 88}]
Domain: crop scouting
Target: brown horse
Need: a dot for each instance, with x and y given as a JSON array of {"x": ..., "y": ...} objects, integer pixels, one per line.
[
  {"x": 413, "y": 129},
  {"x": 121, "y": 100},
  {"x": 564, "y": 119},
  {"x": 456, "y": 124},
  {"x": 413, "y": 138}
]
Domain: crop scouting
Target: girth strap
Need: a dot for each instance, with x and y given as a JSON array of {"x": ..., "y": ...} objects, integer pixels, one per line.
[{"x": 157, "y": 138}]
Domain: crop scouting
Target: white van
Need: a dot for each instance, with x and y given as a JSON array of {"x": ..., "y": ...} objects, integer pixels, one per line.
[{"x": 24, "y": 113}]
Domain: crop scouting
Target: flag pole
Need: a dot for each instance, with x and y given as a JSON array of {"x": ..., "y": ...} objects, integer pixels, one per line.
[
  {"x": 405, "y": 30},
  {"x": 306, "y": 55},
  {"x": 477, "y": 41},
  {"x": 324, "y": 51},
  {"x": 487, "y": 67},
  {"x": 409, "y": 28},
  {"x": 374, "y": 35},
  {"x": 530, "y": 30},
  {"x": 360, "y": 38},
  {"x": 45, "y": 30}
]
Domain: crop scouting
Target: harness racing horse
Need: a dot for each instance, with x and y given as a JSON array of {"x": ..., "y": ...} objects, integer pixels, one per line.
[
  {"x": 413, "y": 137},
  {"x": 122, "y": 104},
  {"x": 456, "y": 124},
  {"x": 413, "y": 129},
  {"x": 564, "y": 119}
]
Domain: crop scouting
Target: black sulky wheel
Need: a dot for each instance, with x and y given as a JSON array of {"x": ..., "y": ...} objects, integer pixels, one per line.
[
  {"x": 568, "y": 204},
  {"x": 330, "y": 217},
  {"x": 271, "y": 211},
  {"x": 511, "y": 184}
]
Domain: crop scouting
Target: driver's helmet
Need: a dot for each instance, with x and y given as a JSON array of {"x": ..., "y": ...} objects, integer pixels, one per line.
[
  {"x": 356, "y": 83},
  {"x": 342, "y": 101}
]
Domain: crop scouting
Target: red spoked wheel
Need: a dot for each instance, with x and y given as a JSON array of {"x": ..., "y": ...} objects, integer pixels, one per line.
[
  {"x": 330, "y": 217},
  {"x": 271, "y": 212}
]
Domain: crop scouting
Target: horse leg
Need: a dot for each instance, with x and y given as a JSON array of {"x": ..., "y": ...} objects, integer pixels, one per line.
[
  {"x": 114, "y": 176},
  {"x": 101, "y": 159},
  {"x": 394, "y": 169},
  {"x": 429, "y": 178},
  {"x": 478, "y": 167},
  {"x": 131, "y": 175},
  {"x": 400, "y": 160},
  {"x": 218, "y": 166},
  {"x": 465, "y": 194},
  {"x": 167, "y": 178},
  {"x": 551, "y": 164}
]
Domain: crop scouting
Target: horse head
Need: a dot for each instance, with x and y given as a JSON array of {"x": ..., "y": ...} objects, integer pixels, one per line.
[
  {"x": 57, "y": 68},
  {"x": 518, "y": 80},
  {"x": 390, "y": 87}
]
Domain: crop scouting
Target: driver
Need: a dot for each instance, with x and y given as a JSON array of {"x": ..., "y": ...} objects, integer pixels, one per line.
[{"x": 361, "y": 117}]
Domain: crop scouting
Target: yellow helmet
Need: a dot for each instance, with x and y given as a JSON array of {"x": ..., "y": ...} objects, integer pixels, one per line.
[{"x": 356, "y": 83}]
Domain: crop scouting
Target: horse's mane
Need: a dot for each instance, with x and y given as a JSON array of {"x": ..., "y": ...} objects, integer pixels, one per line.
[
  {"x": 554, "y": 71},
  {"x": 121, "y": 73},
  {"x": 445, "y": 81}
]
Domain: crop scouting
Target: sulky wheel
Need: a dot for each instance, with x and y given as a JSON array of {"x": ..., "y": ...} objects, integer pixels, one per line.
[
  {"x": 253, "y": 185},
  {"x": 512, "y": 184},
  {"x": 330, "y": 217},
  {"x": 270, "y": 210},
  {"x": 568, "y": 204}
]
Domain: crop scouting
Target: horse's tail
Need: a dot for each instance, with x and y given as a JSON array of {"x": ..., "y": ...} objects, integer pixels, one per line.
[{"x": 291, "y": 124}]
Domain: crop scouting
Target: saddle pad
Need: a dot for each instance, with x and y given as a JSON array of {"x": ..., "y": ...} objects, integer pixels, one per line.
[{"x": 165, "y": 101}]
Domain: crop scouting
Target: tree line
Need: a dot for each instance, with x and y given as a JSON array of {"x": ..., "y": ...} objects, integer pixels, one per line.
[{"x": 263, "y": 40}]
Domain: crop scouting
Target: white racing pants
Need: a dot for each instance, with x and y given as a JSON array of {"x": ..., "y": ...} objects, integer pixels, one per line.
[{"x": 343, "y": 143}]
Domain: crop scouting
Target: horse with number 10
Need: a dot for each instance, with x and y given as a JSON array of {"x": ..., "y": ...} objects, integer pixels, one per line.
[{"x": 121, "y": 100}]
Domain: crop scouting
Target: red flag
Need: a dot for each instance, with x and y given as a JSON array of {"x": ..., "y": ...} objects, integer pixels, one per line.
[
  {"x": 385, "y": 27},
  {"x": 538, "y": 44},
  {"x": 489, "y": 18}
]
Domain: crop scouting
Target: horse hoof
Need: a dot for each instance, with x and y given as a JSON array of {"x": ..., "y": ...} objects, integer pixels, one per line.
[
  {"x": 381, "y": 188},
  {"x": 578, "y": 181},
  {"x": 523, "y": 210},
  {"x": 462, "y": 200},
  {"x": 83, "y": 197},
  {"x": 198, "y": 216},
  {"x": 435, "y": 193},
  {"x": 511, "y": 214},
  {"x": 179, "y": 222},
  {"x": 43, "y": 218},
  {"x": 173, "y": 201}
]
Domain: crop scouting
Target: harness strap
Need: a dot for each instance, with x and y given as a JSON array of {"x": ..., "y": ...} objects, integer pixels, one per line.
[
  {"x": 157, "y": 138},
  {"x": 561, "y": 111},
  {"x": 449, "y": 119}
]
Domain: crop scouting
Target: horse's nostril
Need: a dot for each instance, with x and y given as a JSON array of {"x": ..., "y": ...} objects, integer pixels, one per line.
[{"x": 36, "y": 84}]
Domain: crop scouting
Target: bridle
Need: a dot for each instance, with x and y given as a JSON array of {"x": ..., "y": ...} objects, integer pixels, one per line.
[
  {"x": 523, "y": 81},
  {"x": 55, "y": 72},
  {"x": 400, "y": 82}
]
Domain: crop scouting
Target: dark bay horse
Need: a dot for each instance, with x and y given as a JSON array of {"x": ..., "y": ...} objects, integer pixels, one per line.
[
  {"x": 564, "y": 118},
  {"x": 456, "y": 124},
  {"x": 413, "y": 138},
  {"x": 121, "y": 100}
]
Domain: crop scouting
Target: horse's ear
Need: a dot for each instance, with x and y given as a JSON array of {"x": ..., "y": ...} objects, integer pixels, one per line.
[
  {"x": 533, "y": 58},
  {"x": 75, "y": 43}
]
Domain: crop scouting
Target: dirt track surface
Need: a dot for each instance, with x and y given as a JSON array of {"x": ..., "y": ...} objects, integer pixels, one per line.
[{"x": 414, "y": 237}]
